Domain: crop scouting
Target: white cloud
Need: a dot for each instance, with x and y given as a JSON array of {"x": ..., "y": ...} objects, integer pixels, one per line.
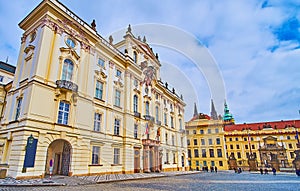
[{"x": 239, "y": 35}]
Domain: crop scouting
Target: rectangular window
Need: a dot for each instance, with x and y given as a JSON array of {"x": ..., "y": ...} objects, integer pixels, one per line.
[
  {"x": 220, "y": 163},
  {"x": 135, "y": 133},
  {"x": 212, "y": 163},
  {"x": 231, "y": 146},
  {"x": 1, "y": 78},
  {"x": 246, "y": 147},
  {"x": 99, "y": 90},
  {"x": 203, "y": 153},
  {"x": 253, "y": 146},
  {"x": 210, "y": 141},
  {"x": 236, "y": 139},
  {"x": 211, "y": 153},
  {"x": 101, "y": 62},
  {"x": 116, "y": 156},
  {"x": 165, "y": 119},
  {"x": 188, "y": 142},
  {"x": 237, "y": 146},
  {"x": 239, "y": 155},
  {"x": 166, "y": 138},
  {"x": 195, "y": 142},
  {"x": 63, "y": 113},
  {"x": 194, "y": 132},
  {"x": 202, "y": 142},
  {"x": 204, "y": 163},
  {"x": 290, "y": 146},
  {"x": 172, "y": 122},
  {"x": 219, "y": 151},
  {"x": 96, "y": 155},
  {"x": 117, "y": 127},
  {"x": 201, "y": 131},
  {"x": 18, "y": 108},
  {"x": 197, "y": 163},
  {"x": 196, "y": 153},
  {"x": 181, "y": 141},
  {"x": 167, "y": 157},
  {"x": 118, "y": 98},
  {"x": 247, "y": 155},
  {"x": 217, "y": 130},
  {"x": 174, "y": 158},
  {"x": 180, "y": 124},
  {"x": 97, "y": 121},
  {"x": 189, "y": 153},
  {"x": 173, "y": 140},
  {"x": 208, "y": 131},
  {"x": 218, "y": 141}
]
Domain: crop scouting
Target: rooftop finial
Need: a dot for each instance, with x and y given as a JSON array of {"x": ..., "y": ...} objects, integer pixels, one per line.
[
  {"x": 93, "y": 24},
  {"x": 144, "y": 39},
  {"x": 110, "y": 38},
  {"x": 129, "y": 28}
]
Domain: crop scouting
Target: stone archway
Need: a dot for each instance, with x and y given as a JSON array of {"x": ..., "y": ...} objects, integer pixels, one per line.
[{"x": 60, "y": 153}]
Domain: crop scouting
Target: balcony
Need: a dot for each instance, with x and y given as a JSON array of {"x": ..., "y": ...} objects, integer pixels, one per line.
[
  {"x": 149, "y": 118},
  {"x": 137, "y": 114},
  {"x": 68, "y": 85}
]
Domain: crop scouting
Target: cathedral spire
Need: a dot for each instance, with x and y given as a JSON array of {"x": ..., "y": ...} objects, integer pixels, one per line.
[
  {"x": 195, "y": 110},
  {"x": 213, "y": 112}
]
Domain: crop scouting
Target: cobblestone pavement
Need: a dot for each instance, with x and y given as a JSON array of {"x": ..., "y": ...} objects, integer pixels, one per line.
[{"x": 221, "y": 181}]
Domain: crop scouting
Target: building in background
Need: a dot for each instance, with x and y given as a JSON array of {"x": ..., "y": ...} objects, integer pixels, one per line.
[
  {"x": 205, "y": 140},
  {"x": 84, "y": 105},
  {"x": 218, "y": 141},
  {"x": 271, "y": 143},
  {"x": 7, "y": 72}
]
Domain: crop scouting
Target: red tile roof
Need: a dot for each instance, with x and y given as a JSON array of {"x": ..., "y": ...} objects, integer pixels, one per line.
[{"x": 261, "y": 125}]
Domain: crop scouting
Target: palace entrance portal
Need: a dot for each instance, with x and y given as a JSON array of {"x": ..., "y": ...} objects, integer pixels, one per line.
[
  {"x": 151, "y": 157},
  {"x": 59, "y": 151}
]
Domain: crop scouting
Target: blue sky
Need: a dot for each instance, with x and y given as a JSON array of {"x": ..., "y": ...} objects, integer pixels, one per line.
[{"x": 255, "y": 46}]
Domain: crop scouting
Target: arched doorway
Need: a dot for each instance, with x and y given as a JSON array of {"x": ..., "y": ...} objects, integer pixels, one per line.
[{"x": 60, "y": 153}]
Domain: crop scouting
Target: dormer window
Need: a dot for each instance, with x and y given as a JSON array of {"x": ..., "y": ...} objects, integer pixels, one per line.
[
  {"x": 70, "y": 43},
  {"x": 118, "y": 73},
  {"x": 101, "y": 62}
]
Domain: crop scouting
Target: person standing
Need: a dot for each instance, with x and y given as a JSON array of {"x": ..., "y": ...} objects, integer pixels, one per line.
[
  {"x": 261, "y": 171},
  {"x": 274, "y": 171},
  {"x": 216, "y": 169}
]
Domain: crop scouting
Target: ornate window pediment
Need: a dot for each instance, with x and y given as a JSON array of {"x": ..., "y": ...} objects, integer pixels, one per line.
[
  {"x": 70, "y": 51},
  {"x": 100, "y": 74}
]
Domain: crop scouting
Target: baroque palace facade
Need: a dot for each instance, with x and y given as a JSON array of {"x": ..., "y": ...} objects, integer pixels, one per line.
[
  {"x": 218, "y": 141},
  {"x": 83, "y": 105}
]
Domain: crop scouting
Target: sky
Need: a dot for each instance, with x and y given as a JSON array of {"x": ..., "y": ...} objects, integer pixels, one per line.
[{"x": 246, "y": 52}]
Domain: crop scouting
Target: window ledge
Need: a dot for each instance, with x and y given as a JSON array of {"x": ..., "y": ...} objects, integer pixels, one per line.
[
  {"x": 95, "y": 165},
  {"x": 116, "y": 165},
  {"x": 62, "y": 124},
  {"x": 99, "y": 99}
]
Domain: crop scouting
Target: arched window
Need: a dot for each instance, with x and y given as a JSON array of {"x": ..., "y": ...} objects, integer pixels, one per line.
[
  {"x": 135, "y": 57},
  {"x": 135, "y": 103},
  {"x": 147, "y": 108},
  {"x": 67, "y": 70}
]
